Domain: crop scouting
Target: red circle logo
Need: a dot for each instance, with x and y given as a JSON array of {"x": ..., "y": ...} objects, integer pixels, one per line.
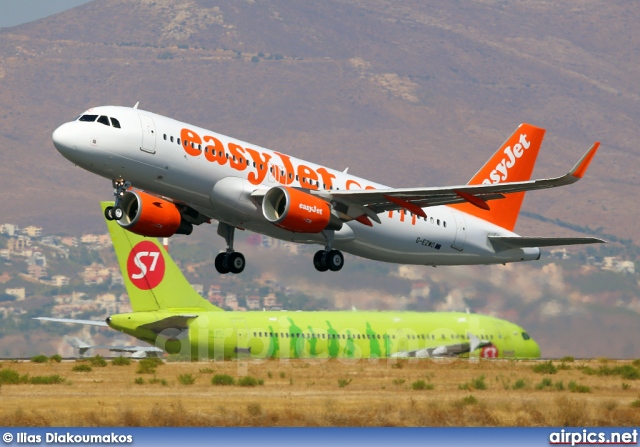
[
  {"x": 489, "y": 352},
  {"x": 145, "y": 266}
]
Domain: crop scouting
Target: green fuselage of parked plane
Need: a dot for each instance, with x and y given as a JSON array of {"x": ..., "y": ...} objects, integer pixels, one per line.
[{"x": 325, "y": 334}]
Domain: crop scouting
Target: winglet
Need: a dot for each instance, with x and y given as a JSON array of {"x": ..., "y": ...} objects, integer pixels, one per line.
[{"x": 581, "y": 167}]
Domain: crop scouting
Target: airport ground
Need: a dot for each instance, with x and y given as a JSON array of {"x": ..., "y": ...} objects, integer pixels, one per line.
[{"x": 332, "y": 393}]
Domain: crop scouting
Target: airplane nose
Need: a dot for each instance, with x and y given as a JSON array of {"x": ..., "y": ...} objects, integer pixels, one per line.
[
  {"x": 535, "y": 350},
  {"x": 63, "y": 139}
]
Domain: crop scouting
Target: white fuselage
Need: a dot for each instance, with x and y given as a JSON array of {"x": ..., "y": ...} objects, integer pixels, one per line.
[{"x": 216, "y": 175}]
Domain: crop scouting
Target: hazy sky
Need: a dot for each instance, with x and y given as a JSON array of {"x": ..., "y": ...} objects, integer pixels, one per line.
[{"x": 16, "y": 12}]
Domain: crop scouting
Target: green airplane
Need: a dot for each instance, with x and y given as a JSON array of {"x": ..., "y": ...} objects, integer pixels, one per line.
[{"x": 170, "y": 315}]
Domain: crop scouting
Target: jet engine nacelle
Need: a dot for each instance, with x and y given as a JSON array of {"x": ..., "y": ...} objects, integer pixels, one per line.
[
  {"x": 149, "y": 215},
  {"x": 298, "y": 211}
]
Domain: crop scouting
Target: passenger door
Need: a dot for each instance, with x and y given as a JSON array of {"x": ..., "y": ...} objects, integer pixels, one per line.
[{"x": 148, "y": 134}]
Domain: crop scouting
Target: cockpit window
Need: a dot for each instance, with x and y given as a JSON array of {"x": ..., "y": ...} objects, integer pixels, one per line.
[
  {"x": 526, "y": 336},
  {"x": 88, "y": 118},
  {"x": 115, "y": 123},
  {"x": 104, "y": 120}
]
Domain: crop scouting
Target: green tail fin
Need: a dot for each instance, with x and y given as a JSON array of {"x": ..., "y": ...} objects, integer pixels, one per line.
[{"x": 152, "y": 279}]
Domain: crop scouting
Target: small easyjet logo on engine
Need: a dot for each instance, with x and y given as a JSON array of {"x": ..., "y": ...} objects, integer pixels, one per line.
[
  {"x": 311, "y": 209},
  {"x": 501, "y": 172},
  {"x": 145, "y": 265}
]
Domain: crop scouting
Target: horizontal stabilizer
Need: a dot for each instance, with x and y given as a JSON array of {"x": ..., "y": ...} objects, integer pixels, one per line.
[
  {"x": 178, "y": 322},
  {"x": 69, "y": 320},
  {"x": 501, "y": 243}
]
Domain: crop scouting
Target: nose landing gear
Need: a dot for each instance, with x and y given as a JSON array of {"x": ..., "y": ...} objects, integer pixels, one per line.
[{"x": 115, "y": 212}]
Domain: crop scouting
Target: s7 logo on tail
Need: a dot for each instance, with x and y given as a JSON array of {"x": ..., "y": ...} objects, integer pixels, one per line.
[{"x": 145, "y": 266}]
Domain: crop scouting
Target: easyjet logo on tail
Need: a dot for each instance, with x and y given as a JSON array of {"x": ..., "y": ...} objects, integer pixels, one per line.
[
  {"x": 145, "y": 265},
  {"x": 501, "y": 171}
]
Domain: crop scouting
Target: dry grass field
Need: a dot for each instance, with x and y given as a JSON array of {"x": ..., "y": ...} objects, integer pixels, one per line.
[{"x": 333, "y": 393}]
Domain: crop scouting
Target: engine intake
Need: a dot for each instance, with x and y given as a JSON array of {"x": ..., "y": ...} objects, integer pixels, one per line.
[
  {"x": 149, "y": 215},
  {"x": 298, "y": 211}
]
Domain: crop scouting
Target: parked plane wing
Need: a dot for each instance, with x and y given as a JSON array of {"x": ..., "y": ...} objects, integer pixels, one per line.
[
  {"x": 453, "y": 350},
  {"x": 413, "y": 199}
]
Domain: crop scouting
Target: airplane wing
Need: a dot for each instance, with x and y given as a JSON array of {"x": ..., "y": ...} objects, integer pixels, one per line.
[
  {"x": 69, "y": 320},
  {"x": 356, "y": 203},
  {"x": 452, "y": 350}
]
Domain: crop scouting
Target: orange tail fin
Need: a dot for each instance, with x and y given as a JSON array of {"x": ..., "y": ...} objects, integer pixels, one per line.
[{"x": 513, "y": 162}]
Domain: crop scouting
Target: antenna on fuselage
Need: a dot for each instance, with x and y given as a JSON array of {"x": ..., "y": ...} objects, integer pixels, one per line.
[{"x": 136, "y": 106}]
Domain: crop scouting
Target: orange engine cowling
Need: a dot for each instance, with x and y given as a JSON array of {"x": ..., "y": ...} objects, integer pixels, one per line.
[
  {"x": 149, "y": 215},
  {"x": 298, "y": 211}
]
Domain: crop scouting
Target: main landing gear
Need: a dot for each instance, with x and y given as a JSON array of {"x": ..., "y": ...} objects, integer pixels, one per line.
[
  {"x": 229, "y": 261},
  {"x": 115, "y": 212},
  {"x": 328, "y": 259}
]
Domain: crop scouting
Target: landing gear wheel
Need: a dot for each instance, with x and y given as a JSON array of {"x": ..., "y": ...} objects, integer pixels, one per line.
[
  {"x": 236, "y": 262},
  {"x": 221, "y": 263},
  {"x": 118, "y": 213},
  {"x": 334, "y": 260},
  {"x": 108, "y": 213},
  {"x": 319, "y": 261}
]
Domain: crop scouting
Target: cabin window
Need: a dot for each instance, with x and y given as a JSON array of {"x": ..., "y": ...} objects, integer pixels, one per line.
[
  {"x": 178, "y": 140},
  {"x": 171, "y": 139},
  {"x": 444, "y": 223},
  {"x": 164, "y": 137}
]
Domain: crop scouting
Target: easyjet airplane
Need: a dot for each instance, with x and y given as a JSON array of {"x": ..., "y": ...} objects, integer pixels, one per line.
[
  {"x": 170, "y": 315},
  {"x": 185, "y": 175}
]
